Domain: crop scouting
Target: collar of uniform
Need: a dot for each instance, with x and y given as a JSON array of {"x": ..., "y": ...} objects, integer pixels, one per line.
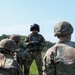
[
  {"x": 34, "y": 34},
  {"x": 60, "y": 41}
]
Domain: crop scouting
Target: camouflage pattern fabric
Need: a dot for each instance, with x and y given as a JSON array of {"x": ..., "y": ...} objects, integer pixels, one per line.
[
  {"x": 11, "y": 67},
  {"x": 63, "y": 28},
  {"x": 64, "y": 59},
  {"x": 8, "y": 66},
  {"x": 29, "y": 59},
  {"x": 19, "y": 56},
  {"x": 5, "y": 44},
  {"x": 35, "y": 54}
]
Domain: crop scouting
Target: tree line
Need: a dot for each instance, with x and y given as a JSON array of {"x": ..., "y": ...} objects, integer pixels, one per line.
[{"x": 48, "y": 43}]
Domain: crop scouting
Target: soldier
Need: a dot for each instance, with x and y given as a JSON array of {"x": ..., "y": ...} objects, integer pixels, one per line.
[
  {"x": 60, "y": 59},
  {"x": 34, "y": 44},
  {"x": 19, "y": 51},
  {"x": 9, "y": 66}
]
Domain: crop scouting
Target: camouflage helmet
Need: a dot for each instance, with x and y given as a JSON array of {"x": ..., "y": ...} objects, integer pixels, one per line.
[
  {"x": 15, "y": 37},
  {"x": 35, "y": 27},
  {"x": 8, "y": 44},
  {"x": 63, "y": 28}
]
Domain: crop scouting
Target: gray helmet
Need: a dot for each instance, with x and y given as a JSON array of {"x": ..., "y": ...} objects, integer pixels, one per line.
[
  {"x": 8, "y": 44},
  {"x": 63, "y": 28},
  {"x": 35, "y": 27},
  {"x": 15, "y": 37}
]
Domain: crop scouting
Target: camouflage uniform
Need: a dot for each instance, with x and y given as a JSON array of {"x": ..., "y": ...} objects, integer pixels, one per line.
[
  {"x": 34, "y": 53},
  {"x": 60, "y": 59},
  {"x": 10, "y": 67},
  {"x": 19, "y": 51},
  {"x": 19, "y": 56}
]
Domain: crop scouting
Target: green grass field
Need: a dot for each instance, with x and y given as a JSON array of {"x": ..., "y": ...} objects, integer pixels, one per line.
[{"x": 33, "y": 69}]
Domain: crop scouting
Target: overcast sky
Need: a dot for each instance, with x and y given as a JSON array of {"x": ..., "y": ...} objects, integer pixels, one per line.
[{"x": 16, "y": 16}]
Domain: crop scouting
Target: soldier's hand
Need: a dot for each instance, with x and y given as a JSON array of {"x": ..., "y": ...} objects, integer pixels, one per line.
[
  {"x": 2, "y": 60},
  {"x": 34, "y": 42},
  {"x": 40, "y": 48}
]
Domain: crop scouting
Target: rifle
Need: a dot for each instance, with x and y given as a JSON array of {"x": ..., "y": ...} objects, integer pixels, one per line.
[{"x": 33, "y": 46}]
